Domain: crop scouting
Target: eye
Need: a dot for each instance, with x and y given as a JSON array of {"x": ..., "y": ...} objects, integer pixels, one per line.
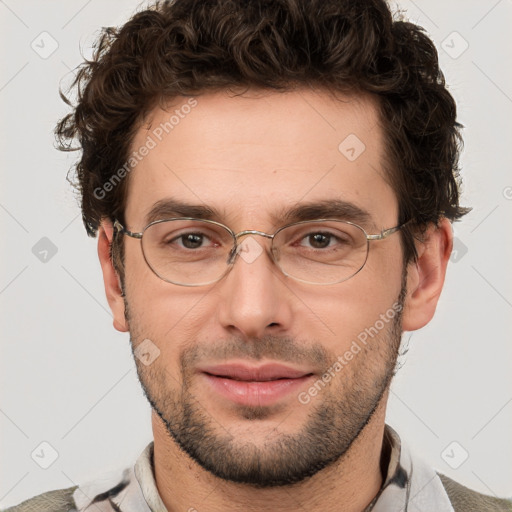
[
  {"x": 319, "y": 240},
  {"x": 325, "y": 239},
  {"x": 190, "y": 240}
]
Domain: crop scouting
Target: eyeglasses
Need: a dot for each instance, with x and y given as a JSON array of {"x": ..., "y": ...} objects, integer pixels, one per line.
[{"x": 196, "y": 252}]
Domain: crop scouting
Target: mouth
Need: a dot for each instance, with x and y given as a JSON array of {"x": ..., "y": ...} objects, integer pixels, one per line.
[{"x": 256, "y": 386}]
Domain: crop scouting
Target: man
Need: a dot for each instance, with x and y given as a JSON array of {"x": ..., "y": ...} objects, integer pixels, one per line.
[{"x": 272, "y": 185}]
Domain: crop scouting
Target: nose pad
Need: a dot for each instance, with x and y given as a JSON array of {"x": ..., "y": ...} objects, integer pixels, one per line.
[
  {"x": 232, "y": 254},
  {"x": 250, "y": 249},
  {"x": 275, "y": 254}
]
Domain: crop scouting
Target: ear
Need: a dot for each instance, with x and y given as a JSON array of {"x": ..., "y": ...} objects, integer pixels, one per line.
[
  {"x": 425, "y": 277},
  {"x": 110, "y": 277}
]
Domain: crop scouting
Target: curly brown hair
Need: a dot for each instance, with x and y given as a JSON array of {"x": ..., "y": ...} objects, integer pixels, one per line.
[{"x": 188, "y": 47}]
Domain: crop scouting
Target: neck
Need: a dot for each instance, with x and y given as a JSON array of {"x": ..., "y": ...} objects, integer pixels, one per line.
[{"x": 349, "y": 484}]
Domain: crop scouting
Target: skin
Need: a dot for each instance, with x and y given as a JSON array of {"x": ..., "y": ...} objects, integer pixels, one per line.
[{"x": 249, "y": 156}]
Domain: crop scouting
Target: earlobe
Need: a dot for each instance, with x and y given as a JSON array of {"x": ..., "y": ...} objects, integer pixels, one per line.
[
  {"x": 111, "y": 279},
  {"x": 426, "y": 276}
]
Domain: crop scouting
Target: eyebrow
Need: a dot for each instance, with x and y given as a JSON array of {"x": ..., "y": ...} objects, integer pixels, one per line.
[{"x": 326, "y": 209}]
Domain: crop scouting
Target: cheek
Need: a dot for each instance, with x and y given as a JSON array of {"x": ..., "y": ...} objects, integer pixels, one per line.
[
  {"x": 344, "y": 311},
  {"x": 169, "y": 315}
]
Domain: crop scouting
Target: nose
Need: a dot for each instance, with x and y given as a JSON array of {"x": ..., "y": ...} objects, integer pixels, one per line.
[{"x": 254, "y": 297}]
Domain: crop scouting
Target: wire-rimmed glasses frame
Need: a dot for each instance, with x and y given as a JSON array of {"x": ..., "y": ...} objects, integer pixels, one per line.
[{"x": 235, "y": 248}]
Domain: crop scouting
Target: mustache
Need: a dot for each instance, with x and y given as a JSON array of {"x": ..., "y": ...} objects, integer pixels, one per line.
[{"x": 284, "y": 349}]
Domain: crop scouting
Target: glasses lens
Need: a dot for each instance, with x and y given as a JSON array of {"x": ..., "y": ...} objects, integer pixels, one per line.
[
  {"x": 196, "y": 252},
  {"x": 323, "y": 252},
  {"x": 188, "y": 252}
]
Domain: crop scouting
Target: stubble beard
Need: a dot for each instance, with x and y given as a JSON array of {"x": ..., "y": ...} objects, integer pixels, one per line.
[{"x": 337, "y": 416}]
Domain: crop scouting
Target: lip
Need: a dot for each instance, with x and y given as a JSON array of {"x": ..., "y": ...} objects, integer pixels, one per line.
[
  {"x": 255, "y": 386},
  {"x": 266, "y": 372}
]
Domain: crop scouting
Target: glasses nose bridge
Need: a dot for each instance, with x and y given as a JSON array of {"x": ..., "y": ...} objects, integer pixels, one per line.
[
  {"x": 236, "y": 246},
  {"x": 253, "y": 232}
]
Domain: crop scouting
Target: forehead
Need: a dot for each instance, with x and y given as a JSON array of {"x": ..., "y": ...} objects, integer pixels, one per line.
[{"x": 252, "y": 157}]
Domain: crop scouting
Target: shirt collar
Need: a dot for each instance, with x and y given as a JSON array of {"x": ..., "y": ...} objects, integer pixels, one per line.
[{"x": 145, "y": 473}]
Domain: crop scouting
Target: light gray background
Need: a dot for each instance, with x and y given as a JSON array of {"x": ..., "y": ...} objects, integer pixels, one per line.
[{"x": 67, "y": 377}]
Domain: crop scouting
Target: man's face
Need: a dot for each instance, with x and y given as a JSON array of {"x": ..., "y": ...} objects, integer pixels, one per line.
[{"x": 250, "y": 157}]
